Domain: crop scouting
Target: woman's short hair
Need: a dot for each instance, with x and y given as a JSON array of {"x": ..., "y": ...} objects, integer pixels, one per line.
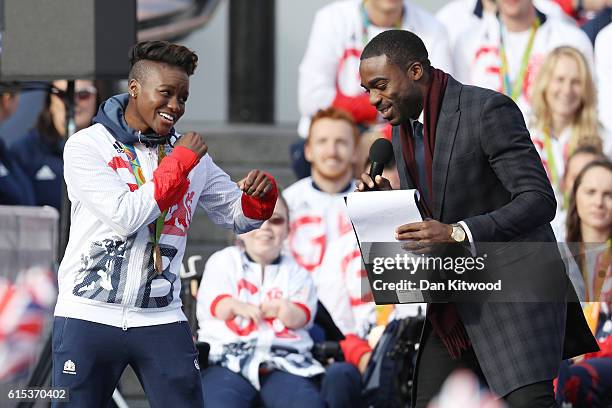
[{"x": 161, "y": 51}]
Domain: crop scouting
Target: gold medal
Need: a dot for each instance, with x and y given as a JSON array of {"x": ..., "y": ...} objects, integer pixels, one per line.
[{"x": 157, "y": 259}]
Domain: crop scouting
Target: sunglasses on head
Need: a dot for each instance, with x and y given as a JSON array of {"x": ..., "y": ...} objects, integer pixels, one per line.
[
  {"x": 80, "y": 94},
  {"x": 277, "y": 220}
]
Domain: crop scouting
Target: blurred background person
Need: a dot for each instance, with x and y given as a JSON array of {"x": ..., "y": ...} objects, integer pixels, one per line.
[
  {"x": 316, "y": 205},
  {"x": 255, "y": 305},
  {"x": 576, "y": 162},
  {"x": 461, "y": 15},
  {"x": 587, "y": 381},
  {"x": 463, "y": 389},
  {"x": 319, "y": 217},
  {"x": 564, "y": 118},
  {"x": 40, "y": 151},
  {"x": 589, "y": 223},
  {"x": 505, "y": 53},
  {"x": 582, "y": 10},
  {"x": 329, "y": 71},
  {"x": 603, "y": 67},
  {"x": 15, "y": 186},
  {"x": 594, "y": 26}
]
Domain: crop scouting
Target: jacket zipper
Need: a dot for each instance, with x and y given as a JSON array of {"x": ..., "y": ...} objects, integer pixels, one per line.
[
  {"x": 135, "y": 277},
  {"x": 124, "y": 322}
]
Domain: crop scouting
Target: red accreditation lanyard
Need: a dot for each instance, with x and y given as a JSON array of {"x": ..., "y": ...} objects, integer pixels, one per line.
[
  {"x": 514, "y": 90},
  {"x": 156, "y": 227}
]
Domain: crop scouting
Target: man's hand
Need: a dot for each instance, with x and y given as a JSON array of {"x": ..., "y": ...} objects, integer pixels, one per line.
[
  {"x": 379, "y": 182},
  {"x": 194, "y": 142},
  {"x": 255, "y": 184},
  {"x": 429, "y": 231}
]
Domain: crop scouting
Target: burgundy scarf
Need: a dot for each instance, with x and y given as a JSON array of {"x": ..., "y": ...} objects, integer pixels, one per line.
[{"x": 444, "y": 317}]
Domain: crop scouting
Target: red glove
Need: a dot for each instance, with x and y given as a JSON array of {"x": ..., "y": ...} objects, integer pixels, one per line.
[
  {"x": 170, "y": 177},
  {"x": 354, "y": 348},
  {"x": 260, "y": 208}
]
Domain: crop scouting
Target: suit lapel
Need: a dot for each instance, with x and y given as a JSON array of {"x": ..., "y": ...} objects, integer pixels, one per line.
[{"x": 446, "y": 132}]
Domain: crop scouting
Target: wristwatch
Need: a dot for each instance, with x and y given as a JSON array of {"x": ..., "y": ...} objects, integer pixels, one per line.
[{"x": 458, "y": 233}]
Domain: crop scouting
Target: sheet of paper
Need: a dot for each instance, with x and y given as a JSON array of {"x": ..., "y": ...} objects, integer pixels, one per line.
[{"x": 376, "y": 214}]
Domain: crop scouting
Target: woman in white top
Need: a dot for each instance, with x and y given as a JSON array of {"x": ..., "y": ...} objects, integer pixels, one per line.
[{"x": 564, "y": 118}]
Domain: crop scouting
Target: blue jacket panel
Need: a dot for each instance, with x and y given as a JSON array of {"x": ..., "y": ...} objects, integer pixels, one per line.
[
  {"x": 41, "y": 158},
  {"x": 15, "y": 186}
]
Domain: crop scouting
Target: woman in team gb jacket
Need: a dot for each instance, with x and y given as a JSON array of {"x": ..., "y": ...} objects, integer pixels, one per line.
[{"x": 134, "y": 184}]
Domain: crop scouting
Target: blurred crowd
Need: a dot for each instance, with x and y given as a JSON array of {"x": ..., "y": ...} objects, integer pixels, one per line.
[{"x": 292, "y": 298}]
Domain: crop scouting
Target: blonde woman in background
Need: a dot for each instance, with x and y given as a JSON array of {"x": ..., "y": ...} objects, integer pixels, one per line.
[{"x": 564, "y": 118}]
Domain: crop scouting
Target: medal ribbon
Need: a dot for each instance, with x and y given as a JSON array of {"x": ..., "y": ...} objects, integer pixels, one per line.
[
  {"x": 156, "y": 227},
  {"x": 514, "y": 91}
]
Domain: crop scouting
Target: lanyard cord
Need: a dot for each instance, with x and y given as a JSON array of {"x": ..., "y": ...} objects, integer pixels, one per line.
[
  {"x": 156, "y": 227},
  {"x": 514, "y": 91},
  {"x": 550, "y": 159},
  {"x": 552, "y": 163},
  {"x": 602, "y": 264},
  {"x": 367, "y": 23}
]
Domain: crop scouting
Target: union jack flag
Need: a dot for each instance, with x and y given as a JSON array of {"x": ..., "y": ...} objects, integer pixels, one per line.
[{"x": 25, "y": 308}]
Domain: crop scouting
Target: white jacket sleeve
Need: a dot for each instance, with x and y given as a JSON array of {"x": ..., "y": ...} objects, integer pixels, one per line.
[
  {"x": 317, "y": 71},
  {"x": 439, "y": 51},
  {"x": 303, "y": 292},
  {"x": 216, "y": 283},
  {"x": 96, "y": 186},
  {"x": 603, "y": 60},
  {"x": 221, "y": 199},
  {"x": 462, "y": 60}
]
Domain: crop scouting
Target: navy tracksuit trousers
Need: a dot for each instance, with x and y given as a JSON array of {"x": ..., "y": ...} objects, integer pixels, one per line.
[{"x": 89, "y": 358}]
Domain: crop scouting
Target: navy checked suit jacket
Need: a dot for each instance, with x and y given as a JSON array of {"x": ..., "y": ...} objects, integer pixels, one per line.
[{"x": 487, "y": 173}]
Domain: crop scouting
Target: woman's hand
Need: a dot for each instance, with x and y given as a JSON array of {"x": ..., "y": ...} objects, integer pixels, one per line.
[
  {"x": 194, "y": 142},
  {"x": 255, "y": 184}
]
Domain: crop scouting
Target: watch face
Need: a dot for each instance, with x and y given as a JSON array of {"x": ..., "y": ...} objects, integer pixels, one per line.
[{"x": 458, "y": 234}]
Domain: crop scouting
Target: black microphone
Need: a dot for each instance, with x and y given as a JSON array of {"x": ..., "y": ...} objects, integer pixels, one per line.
[{"x": 381, "y": 153}]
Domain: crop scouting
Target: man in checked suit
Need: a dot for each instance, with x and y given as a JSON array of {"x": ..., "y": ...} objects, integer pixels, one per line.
[{"x": 469, "y": 153}]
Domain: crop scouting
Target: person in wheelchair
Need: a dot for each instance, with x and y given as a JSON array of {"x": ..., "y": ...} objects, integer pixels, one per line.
[{"x": 254, "y": 308}]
